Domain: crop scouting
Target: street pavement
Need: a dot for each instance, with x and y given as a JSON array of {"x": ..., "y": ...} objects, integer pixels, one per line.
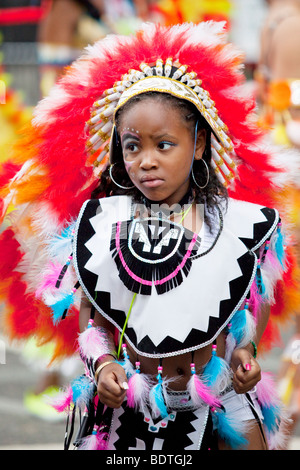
[{"x": 19, "y": 430}]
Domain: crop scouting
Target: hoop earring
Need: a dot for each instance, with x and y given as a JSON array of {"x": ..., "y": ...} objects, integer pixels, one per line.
[
  {"x": 114, "y": 181},
  {"x": 207, "y": 178}
]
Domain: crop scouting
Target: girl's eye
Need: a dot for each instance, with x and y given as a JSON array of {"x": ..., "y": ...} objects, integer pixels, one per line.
[
  {"x": 165, "y": 145},
  {"x": 131, "y": 147}
]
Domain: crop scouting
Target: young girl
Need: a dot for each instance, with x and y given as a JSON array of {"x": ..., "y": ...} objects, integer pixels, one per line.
[
  {"x": 174, "y": 272},
  {"x": 163, "y": 143}
]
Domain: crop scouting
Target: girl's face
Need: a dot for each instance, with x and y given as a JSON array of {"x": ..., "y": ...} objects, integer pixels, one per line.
[{"x": 158, "y": 149}]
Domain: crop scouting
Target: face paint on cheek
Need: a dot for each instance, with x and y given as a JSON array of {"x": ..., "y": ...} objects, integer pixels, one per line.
[{"x": 128, "y": 165}]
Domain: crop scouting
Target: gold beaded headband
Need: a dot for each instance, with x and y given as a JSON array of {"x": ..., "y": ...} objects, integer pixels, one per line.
[{"x": 182, "y": 85}]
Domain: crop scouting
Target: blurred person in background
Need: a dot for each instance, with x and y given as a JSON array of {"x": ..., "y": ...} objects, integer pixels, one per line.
[
  {"x": 278, "y": 77},
  {"x": 172, "y": 12},
  {"x": 72, "y": 24},
  {"x": 278, "y": 72},
  {"x": 58, "y": 40}
]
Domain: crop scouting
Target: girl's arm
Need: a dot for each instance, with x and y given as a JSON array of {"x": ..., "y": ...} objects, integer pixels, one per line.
[{"x": 111, "y": 379}]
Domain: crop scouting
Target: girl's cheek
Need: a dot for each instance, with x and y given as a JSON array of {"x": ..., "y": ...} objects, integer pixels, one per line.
[{"x": 128, "y": 165}]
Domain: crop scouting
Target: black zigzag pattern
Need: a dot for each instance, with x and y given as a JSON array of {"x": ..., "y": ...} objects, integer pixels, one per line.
[
  {"x": 238, "y": 288},
  {"x": 260, "y": 229},
  {"x": 86, "y": 232},
  {"x": 174, "y": 435}
]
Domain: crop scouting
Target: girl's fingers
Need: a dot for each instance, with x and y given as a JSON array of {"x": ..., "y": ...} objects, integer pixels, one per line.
[{"x": 112, "y": 388}]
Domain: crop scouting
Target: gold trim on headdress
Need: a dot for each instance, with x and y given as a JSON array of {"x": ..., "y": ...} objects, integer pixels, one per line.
[{"x": 182, "y": 84}]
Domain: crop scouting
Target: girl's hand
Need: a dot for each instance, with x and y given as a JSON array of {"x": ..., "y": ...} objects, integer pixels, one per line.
[
  {"x": 246, "y": 370},
  {"x": 112, "y": 385}
]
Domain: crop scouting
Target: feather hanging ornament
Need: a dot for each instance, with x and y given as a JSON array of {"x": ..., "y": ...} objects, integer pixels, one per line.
[
  {"x": 79, "y": 392},
  {"x": 62, "y": 401},
  {"x": 126, "y": 363},
  {"x": 272, "y": 410},
  {"x": 241, "y": 330},
  {"x": 138, "y": 389},
  {"x": 272, "y": 266},
  {"x": 93, "y": 342},
  {"x": 259, "y": 280},
  {"x": 59, "y": 246},
  {"x": 49, "y": 279},
  {"x": 230, "y": 344},
  {"x": 279, "y": 245},
  {"x": 83, "y": 389},
  {"x": 200, "y": 393},
  {"x": 231, "y": 431},
  {"x": 243, "y": 326},
  {"x": 216, "y": 373},
  {"x": 156, "y": 397},
  {"x": 255, "y": 300},
  {"x": 63, "y": 272},
  {"x": 61, "y": 307},
  {"x": 271, "y": 273},
  {"x": 97, "y": 440}
]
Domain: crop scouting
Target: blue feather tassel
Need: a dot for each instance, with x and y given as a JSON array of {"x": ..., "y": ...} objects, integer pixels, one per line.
[
  {"x": 216, "y": 373},
  {"x": 68, "y": 232},
  {"x": 60, "y": 308},
  {"x": 156, "y": 397},
  {"x": 228, "y": 430},
  {"x": 271, "y": 416},
  {"x": 126, "y": 363},
  {"x": 82, "y": 389},
  {"x": 279, "y": 246},
  {"x": 157, "y": 401},
  {"x": 61, "y": 244},
  {"x": 259, "y": 281},
  {"x": 239, "y": 324}
]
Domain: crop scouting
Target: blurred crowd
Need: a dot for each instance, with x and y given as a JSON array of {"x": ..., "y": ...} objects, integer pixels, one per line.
[{"x": 271, "y": 38}]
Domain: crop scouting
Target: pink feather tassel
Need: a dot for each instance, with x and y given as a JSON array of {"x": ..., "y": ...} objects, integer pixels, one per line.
[
  {"x": 62, "y": 401},
  {"x": 199, "y": 392},
  {"x": 255, "y": 300},
  {"x": 96, "y": 441},
  {"x": 138, "y": 391},
  {"x": 92, "y": 343},
  {"x": 267, "y": 397},
  {"x": 265, "y": 390},
  {"x": 49, "y": 279}
]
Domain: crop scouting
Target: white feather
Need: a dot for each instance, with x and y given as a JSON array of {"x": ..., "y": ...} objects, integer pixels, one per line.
[
  {"x": 43, "y": 112},
  {"x": 44, "y": 220},
  {"x": 288, "y": 161},
  {"x": 279, "y": 440},
  {"x": 271, "y": 272},
  {"x": 250, "y": 330},
  {"x": 230, "y": 346}
]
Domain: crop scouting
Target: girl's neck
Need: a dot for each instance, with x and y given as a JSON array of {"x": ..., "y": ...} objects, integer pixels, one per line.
[{"x": 157, "y": 206}]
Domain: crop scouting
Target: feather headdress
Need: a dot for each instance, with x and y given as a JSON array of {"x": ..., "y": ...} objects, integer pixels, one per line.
[{"x": 57, "y": 164}]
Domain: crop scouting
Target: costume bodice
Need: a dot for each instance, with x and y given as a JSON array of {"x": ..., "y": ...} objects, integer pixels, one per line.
[{"x": 183, "y": 304}]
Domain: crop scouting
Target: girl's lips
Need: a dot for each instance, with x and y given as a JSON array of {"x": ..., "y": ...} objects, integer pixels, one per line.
[{"x": 151, "y": 182}]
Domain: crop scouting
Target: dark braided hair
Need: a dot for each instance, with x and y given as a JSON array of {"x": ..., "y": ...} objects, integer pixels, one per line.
[{"x": 214, "y": 190}]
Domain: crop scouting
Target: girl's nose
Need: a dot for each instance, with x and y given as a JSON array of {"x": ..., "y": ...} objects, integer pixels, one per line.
[{"x": 148, "y": 160}]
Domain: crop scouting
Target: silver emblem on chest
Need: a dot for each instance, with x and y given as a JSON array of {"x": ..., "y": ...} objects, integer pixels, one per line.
[
  {"x": 153, "y": 237},
  {"x": 165, "y": 241}
]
